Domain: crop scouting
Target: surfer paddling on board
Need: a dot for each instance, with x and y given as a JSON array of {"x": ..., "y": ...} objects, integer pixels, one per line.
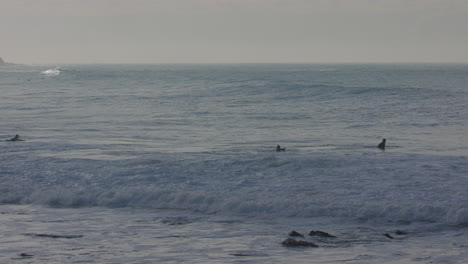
[
  {"x": 279, "y": 148},
  {"x": 16, "y": 138},
  {"x": 382, "y": 144}
]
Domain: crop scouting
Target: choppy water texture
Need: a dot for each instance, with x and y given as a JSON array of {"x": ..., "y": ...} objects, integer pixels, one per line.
[{"x": 191, "y": 149}]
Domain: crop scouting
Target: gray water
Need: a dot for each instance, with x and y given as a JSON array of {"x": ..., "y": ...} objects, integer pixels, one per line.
[{"x": 108, "y": 147}]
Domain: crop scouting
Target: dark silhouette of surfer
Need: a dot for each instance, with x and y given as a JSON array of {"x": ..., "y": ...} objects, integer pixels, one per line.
[
  {"x": 382, "y": 144},
  {"x": 279, "y": 148},
  {"x": 16, "y": 138}
]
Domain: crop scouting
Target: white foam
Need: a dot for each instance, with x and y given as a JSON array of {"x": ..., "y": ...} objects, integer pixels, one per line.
[
  {"x": 369, "y": 187},
  {"x": 52, "y": 72}
]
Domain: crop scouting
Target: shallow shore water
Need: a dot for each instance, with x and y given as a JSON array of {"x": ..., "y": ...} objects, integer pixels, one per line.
[{"x": 100, "y": 235}]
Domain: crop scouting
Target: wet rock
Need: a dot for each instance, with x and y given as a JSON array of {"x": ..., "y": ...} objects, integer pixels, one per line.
[
  {"x": 26, "y": 255},
  {"x": 294, "y": 233},
  {"x": 176, "y": 221},
  {"x": 320, "y": 234},
  {"x": 289, "y": 242},
  {"x": 388, "y": 235},
  {"x": 249, "y": 254},
  {"x": 53, "y": 236},
  {"x": 399, "y": 232}
]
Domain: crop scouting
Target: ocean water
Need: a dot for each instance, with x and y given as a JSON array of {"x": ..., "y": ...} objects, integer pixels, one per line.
[{"x": 177, "y": 163}]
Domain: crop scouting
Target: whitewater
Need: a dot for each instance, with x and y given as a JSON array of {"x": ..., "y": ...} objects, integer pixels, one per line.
[{"x": 177, "y": 163}]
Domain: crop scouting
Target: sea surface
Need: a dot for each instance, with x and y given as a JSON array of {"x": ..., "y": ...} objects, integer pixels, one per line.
[{"x": 177, "y": 163}]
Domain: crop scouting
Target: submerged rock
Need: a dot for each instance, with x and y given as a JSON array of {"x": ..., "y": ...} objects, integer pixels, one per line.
[
  {"x": 176, "y": 221},
  {"x": 294, "y": 233},
  {"x": 289, "y": 242},
  {"x": 53, "y": 236},
  {"x": 320, "y": 234},
  {"x": 249, "y": 254},
  {"x": 388, "y": 235},
  {"x": 399, "y": 232}
]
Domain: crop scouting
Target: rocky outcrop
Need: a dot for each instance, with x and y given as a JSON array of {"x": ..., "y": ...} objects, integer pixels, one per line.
[
  {"x": 294, "y": 233},
  {"x": 1, "y": 61},
  {"x": 320, "y": 234},
  {"x": 289, "y": 242}
]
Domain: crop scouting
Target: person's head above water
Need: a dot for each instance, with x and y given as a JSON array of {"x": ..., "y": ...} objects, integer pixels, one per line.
[
  {"x": 382, "y": 144},
  {"x": 16, "y": 138},
  {"x": 278, "y": 148}
]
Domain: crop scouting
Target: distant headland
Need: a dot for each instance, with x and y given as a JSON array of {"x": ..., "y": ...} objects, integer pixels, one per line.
[{"x": 2, "y": 62}]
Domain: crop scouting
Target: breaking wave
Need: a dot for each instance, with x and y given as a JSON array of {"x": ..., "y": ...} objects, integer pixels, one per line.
[
  {"x": 51, "y": 72},
  {"x": 366, "y": 187}
]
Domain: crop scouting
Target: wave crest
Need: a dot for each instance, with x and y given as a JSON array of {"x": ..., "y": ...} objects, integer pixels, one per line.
[
  {"x": 51, "y": 72},
  {"x": 366, "y": 187}
]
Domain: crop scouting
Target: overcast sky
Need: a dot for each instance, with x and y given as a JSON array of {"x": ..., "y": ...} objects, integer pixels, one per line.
[{"x": 214, "y": 31}]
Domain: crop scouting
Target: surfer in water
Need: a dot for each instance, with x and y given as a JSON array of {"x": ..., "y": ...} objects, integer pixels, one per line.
[
  {"x": 279, "y": 148},
  {"x": 16, "y": 138},
  {"x": 382, "y": 144}
]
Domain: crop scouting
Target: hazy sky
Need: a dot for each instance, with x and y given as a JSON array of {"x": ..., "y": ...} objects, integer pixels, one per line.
[{"x": 212, "y": 31}]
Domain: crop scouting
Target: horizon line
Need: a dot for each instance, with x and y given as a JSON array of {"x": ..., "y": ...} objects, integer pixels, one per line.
[{"x": 231, "y": 63}]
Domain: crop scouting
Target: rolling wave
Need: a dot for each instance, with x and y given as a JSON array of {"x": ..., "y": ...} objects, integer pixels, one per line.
[{"x": 398, "y": 187}]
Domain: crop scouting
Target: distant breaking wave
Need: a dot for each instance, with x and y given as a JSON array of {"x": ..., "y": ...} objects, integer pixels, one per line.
[{"x": 52, "y": 72}]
